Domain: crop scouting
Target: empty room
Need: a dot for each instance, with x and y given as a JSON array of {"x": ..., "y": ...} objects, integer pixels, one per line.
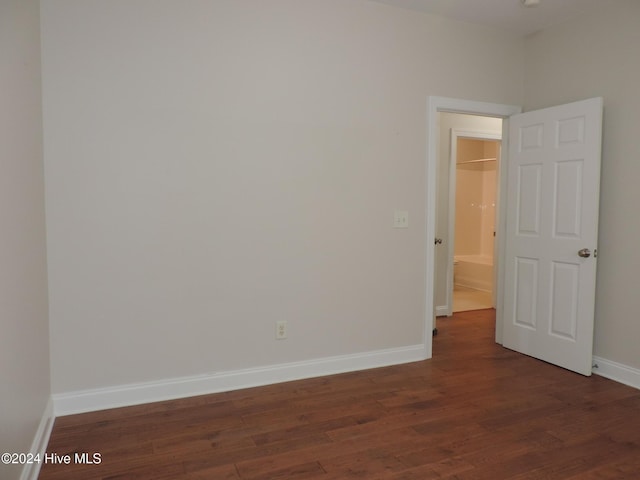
[{"x": 226, "y": 243}]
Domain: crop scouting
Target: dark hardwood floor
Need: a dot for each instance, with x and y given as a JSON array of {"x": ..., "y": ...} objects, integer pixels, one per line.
[{"x": 475, "y": 411}]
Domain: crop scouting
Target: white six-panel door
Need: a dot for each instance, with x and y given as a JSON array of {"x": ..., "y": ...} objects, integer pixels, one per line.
[{"x": 552, "y": 217}]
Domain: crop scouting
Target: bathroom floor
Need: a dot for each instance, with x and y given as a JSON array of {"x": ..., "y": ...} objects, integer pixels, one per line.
[{"x": 465, "y": 298}]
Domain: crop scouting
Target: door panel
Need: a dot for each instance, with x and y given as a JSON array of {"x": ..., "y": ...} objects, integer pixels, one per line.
[
  {"x": 552, "y": 198},
  {"x": 528, "y": 219},
  {"x": 568, "y": 193},
  {"x": 526, "y": 292},
  {"x": 564, "y": 300}
]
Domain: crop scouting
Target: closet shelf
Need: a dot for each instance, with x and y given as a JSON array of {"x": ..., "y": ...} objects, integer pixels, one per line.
[{"x": 478, "y": 160}]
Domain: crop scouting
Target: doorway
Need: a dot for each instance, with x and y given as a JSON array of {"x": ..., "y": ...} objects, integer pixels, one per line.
[
  {"x": 474, "y": 166},
  {"x": 468, "y": 153},
  {"x": 548, "y": 229},
  {"x": 434, "y": 130}
]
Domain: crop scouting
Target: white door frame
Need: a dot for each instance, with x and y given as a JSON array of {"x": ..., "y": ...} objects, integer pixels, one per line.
[
  {"x": 457, "y": 133},
  {"x": 454, "y": 105}
]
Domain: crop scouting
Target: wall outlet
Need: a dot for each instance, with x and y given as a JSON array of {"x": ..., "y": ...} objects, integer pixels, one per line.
[{"x": 281, "y": 330}]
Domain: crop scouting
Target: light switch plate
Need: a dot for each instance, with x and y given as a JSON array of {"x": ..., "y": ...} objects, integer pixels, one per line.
[{"x": 401, "y": 219}]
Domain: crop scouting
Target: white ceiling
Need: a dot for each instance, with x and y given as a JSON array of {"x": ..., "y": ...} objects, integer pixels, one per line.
[{"x": 504, "y": 14}]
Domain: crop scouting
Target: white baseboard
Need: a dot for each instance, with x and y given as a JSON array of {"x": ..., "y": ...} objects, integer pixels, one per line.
[
  {"x": 40, "y": 442},
  {"x": 442, "y": 311},
  {"x": 135, "y": 394},
  {"x": 616, "y": 371}
]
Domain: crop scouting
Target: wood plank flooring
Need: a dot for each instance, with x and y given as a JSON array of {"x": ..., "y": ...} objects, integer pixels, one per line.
[{"x": 475, "y": 411}]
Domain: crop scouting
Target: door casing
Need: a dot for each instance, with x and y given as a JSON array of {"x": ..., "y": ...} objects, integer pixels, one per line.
[
  {"x": 435, "y": 105},
  {"x": 457, "y": 133}
]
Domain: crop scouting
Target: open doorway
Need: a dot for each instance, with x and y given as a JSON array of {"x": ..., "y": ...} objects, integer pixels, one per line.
[
  {"x": 466, "y": 206},
  {"x": 549, "y": 213},
  {"x": 474, "y": 166},
  {"x": 435, "y": 130}
]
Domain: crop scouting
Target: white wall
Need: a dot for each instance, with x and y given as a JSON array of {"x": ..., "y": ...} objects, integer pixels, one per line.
[
  {"x": 215, "y": 166},
  {"x": 597, "y": 55},
  {"x": 447, "y": 122},
  {"x": 24, "y": 330}
]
